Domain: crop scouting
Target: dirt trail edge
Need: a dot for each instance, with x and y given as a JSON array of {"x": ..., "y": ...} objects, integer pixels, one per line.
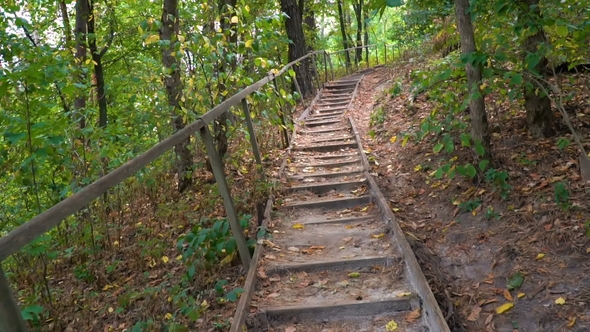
[{"x": 337, "y": 259}]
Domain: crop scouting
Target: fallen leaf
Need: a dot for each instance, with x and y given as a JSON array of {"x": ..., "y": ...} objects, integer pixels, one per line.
[
  {"x": 349, "y": 226},
  {"x": 521, "y": 295},
  {"x": 354, "y": 275},
  {"x": 294, "y": 249},
  {"x": 342, "y": 248},
  {"x": 298, "y": 226},
  {"x": 273, "y": 295},
  {"x": 504, "y": 307},
  {"x": 347, "y": 239},
  {"x": 391, "y": 326},
  {"x": 290, "y": 329},
  {"x": 540, "y": 256},
  {"x": 474, "y": 315},
  {"x": 572, "y": 322},
  {"x": 515, "y": 281},
  {"x": 560, "y": 300},
  {"x": 168, "y": 316},
  {"x": 317, "y": 247},
  {"x": 489, "y": 319},
  {"x": 364, "y": 209},
  {"x": 378, "y": 236},
  {"x": 402, "y": 294},
  {"x": 165, "y": 259},
  {"x": 507, "y": 295},
  {"x": 412, "y": 316}
]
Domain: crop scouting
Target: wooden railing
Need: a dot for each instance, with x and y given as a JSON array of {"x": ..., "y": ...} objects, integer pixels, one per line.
[{"x": 10, "y": 314}]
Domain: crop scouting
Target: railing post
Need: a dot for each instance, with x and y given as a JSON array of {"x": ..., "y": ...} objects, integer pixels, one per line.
[
  {"x": 299, "y": 90},
  {"x": 282, "y": 116},
  {"x": 11, "y": 319},
  {"x": 315, "y": 69},
  {"x": 325, "y": 67},
  {"x": 385, "y": 50},
  {"x": 377, "y": 54},
  {"x": 368, "y": 57},
  {"x": 330, "y": 62},
  {"x": 253, "y": 139},
  {"x": 228, "y": 202}
]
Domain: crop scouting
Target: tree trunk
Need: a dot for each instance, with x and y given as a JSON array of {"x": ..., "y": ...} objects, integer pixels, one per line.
[
  {"x": 366, "y": 17},
  {"x": 309, "y": 21},
  {"x": 82, "y": 11},
  {"x": 538, "y": 105},
  {"x": 479, "y": 120},
  {"x": 98, "y": 71},
  {"x": 297, "y": 47},
  {"x": 343, "y": 32},
  {"x": 66, "y": 23},
  {"x": 358, "y": 12},
  {"x": 169, "y": 32}
]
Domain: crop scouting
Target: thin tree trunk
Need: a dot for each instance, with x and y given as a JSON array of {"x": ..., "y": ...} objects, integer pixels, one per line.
[
  {"x": 538, "y": 105},
  {"x": 66, "y": 23},
  {"x": 98, "y": 70},
  {"x": 298, "y": 48},
  {"x": 366, "y": 17},
  {"x": 343, "y": 32},
  {"x": 309, "y": 21},
  {"x": 358, "y": 12},
  {"x": 479, "y": 120},
  {"x": 169, "y": 32},
  {"x": 82, "y": 12}
]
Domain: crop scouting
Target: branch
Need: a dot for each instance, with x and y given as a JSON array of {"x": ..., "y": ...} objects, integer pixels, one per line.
[{"x": 111, "y": 30}]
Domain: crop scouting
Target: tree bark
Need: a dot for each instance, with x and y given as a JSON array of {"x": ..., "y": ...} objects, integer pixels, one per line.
[
  {"x": 98, "y": 70},
  {"x": 66, "y": 23},
  {"x": 309, "y": 21},
  {"x": 539, "y": 115},
  {"x": 82, "y": 12},
  {"x": 358, "y": 12},
  {"x": 297, "y": 46},
  {"x": 343, "y": 32},
  {"x": 169, "y": 32},
  {"x": 366, "y": 17},
  {"x": 479, "y": 120}
]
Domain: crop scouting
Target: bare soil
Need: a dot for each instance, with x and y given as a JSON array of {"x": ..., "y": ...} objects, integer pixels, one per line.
[{"x": 469, "y": 257}]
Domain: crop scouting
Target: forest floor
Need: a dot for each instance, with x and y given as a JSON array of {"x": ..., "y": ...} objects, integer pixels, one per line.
[{"x": 514, "y": 264}]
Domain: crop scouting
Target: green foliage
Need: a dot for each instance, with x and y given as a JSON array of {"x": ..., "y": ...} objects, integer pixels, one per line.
[
  {"x": 491, "y": 214},
  {"x": 499, "y": 179},
  {"x": 562, "y": 196},
  {"x": 562, "y": 143},
  {"x": 377, "y": 116},
  {"x": 33, "y": 314},
  {"x": 470, "y": 205}
]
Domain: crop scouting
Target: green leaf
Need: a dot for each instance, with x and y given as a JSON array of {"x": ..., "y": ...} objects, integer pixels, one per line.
[
  {"x": 479, "y": 149},
  {"x": 470, "y": 170},
  {"x": 483, "y": 165},
  {"x": 562, "y": 31},
  {"x": 393, "y": 3},
  {"x": 515, "y": 281},
  {"x": 449, "y": 146},
  {"x": 465, "y": 140},
  {"x": 516, "y": 79},
  {"x": 438, "y": 147}
]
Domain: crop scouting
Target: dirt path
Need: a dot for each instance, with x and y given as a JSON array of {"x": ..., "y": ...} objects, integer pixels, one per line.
[{"x": 523, "y": 253}]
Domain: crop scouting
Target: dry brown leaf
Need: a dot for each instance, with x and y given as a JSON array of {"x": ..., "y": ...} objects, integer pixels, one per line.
[
  {"x": 273, "y": 295},
  {"x": 489, "y": 319},
  {"x": 474, "y": 315},
  {"x": 571, "y": 322},
  {"x": 290, "y": 329},
  {"x": 412, "y": 316},
  {"x": 508, "y": 296}
]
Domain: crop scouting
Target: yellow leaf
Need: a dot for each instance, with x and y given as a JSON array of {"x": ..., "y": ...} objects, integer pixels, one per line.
[
  {"x": 249, "y": 43},
  {"x": 540, "y": 256},
  {"x": 227, "y": 259},
  {"x": 354, "y": 275},
  {"x": 204, "y": 304},
  {"x": 402, "y": 294},
  {"x": 234, "y": 20},
  {"x": 588, "y": 250},
  {"x": 418, "y": 168},
  {"x": 364, "y": 209},
  {"x": 393, "y": 139},
  {"x": 152, "y": 39},
  {"x": 395, "y": 209},
  {"x": 391, "y": 326},
  {"x": 88, "y": 61},
  {"x": 560, "y": 300},
  {"x": 165, "y": 259},
  {"x": 349, "y": 226},
  {"x": 181, "y": 38},
  {"x": 168, "y": 316},
  {"x": 179, "y": 257},
  {"x": 342, "y": 248},
  {"x": 107, "y": 287},
  {"x": 298, "y": 226},
  {"x": 405, "y": 141},
  {"x": 520, "y": 295},
  {"x": 572, "y": 322},
  {"x": 111, "y": 309},
  {"x": 378, "y": 236},
  {"x": 504, "y": 307},
  {"x": 169, "y": 299}
]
